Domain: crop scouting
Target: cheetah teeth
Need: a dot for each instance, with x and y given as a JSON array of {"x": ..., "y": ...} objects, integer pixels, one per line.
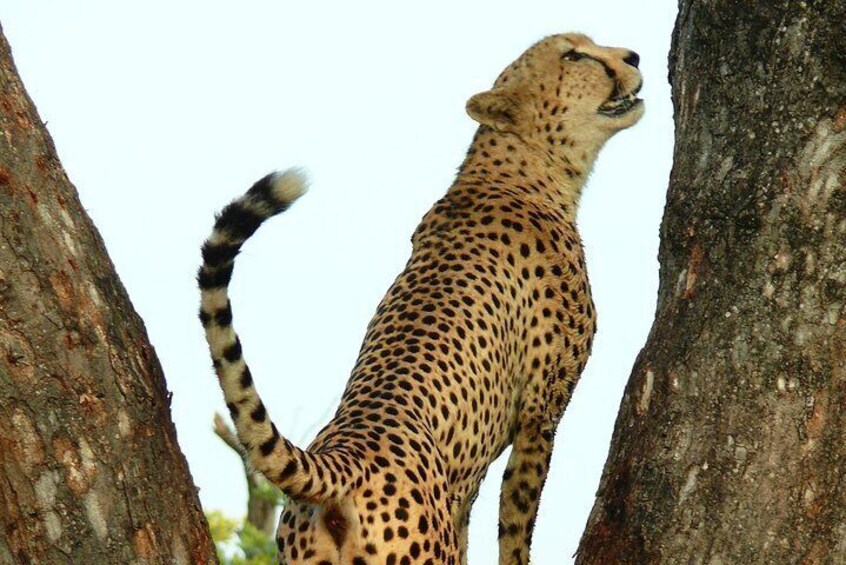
[{"x": 619, "y": 105}]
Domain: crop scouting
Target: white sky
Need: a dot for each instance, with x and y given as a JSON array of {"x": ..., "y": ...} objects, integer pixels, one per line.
[{"x": 164, "y": 111}]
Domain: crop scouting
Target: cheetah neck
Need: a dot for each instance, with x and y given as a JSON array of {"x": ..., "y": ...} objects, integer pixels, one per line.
[{"x": 507, "y": 160}]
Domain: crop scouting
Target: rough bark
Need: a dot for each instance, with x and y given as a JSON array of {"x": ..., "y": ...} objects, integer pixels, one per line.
[
  {"x": 90, "y": 471},
  {"x": 730, "y": 444}
]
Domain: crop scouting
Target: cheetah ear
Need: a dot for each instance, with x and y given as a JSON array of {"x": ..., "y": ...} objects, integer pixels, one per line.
[{"x": 498, "y": 108}]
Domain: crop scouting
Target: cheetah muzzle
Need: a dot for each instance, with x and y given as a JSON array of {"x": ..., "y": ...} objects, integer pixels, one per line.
[
  {"x": 477, "y": 345},
  {"x": 619, "y": 104}
]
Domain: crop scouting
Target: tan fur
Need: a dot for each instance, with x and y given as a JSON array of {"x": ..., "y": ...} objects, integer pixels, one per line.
[{"x": 476, "y": 346}]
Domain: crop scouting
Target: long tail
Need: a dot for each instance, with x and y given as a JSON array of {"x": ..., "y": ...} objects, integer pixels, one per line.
[{"x": 300, "y": 474}]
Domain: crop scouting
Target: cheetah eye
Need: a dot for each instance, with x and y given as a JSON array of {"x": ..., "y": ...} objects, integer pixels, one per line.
[{"x": 572, "y": 55}]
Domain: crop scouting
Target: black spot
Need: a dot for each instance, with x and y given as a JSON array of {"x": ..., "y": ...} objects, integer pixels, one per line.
[
  {"x": 289, "y": 469},
  {"x": 259, "y": 414},
  {"x": 237, "y": 222},
  {"x": 214, "y": 278},
  {"x": 246, "y": 379},
  {"x": 232, "y": 352},
  {"x": 223, "y": 317},
  {"x": 218, "y": 254},
  {"x": 268, "y": 446}
]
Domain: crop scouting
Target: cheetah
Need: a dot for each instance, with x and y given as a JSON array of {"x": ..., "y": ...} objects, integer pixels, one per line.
[{"x": 476, "y": 346}]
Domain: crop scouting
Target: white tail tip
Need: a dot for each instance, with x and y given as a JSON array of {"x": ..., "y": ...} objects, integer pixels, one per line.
[{"x": 289, "y": 185}]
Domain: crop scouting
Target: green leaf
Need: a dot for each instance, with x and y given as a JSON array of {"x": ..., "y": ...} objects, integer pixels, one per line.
[{"x": 222, "y": 528}]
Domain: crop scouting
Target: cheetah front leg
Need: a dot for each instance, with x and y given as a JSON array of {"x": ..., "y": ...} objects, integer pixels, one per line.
[
  {"x": 522, "y": 483},
  {"x": 541, "y": 409},
  {"x": 462, "y": 522}
]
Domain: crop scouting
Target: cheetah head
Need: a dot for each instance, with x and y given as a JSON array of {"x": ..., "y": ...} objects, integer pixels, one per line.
[{"x": 564, "y": 92}]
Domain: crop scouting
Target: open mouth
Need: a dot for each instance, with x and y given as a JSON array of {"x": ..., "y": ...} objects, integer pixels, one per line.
[{"x": 619, "y": 104}]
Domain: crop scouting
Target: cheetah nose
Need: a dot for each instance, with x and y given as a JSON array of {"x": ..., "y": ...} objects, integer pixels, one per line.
[{"x": 632, "y": 59}]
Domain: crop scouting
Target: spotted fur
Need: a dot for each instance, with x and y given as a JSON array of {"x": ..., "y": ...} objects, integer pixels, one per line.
[{"x": 476, "y": 346}]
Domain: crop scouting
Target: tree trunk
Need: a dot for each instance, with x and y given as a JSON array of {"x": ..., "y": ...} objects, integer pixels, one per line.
[
  {"x": 730, "y": 444},
  {"x": 90, "y": 471}
]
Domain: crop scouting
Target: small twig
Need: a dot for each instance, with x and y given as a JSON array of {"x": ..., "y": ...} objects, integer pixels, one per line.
[{"x": 261, "y": 509}]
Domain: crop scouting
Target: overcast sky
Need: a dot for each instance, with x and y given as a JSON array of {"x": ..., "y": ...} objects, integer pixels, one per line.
[{"x": 164, "y": 111}]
